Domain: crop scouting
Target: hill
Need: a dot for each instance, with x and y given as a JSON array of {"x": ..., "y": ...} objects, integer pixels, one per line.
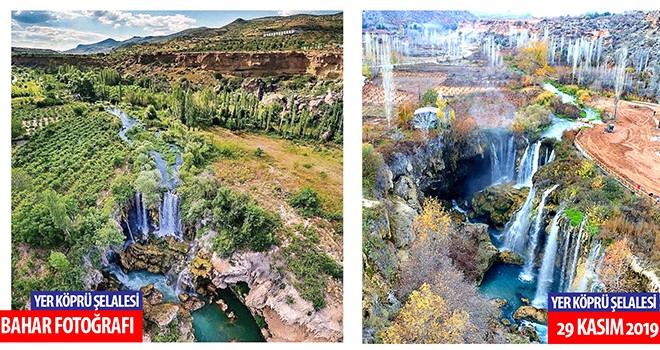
[{"x": 397, "y": 19}]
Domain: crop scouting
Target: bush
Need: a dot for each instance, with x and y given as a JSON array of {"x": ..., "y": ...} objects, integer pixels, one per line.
[
  {"x": 429, "y": 97},
  {"x": 58, "y": 261},
  {"x": 307, "y": 202},
  {"x": 531, "y": 119},
  {"x": 373, "y": 165}
]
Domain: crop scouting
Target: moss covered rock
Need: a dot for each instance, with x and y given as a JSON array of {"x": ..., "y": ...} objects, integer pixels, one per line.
[{"x": 497, "y": 204}]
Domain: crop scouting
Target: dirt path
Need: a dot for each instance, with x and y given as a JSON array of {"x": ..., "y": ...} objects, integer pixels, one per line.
[{"x": 633, "y": 150}]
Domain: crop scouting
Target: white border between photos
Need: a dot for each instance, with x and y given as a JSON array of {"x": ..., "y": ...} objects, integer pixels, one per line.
[{"x": 352, "y": 132}]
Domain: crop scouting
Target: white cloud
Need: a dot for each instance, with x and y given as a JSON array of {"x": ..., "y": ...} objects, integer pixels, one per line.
[
  {"x": 288, "y": 12},
  {"x": 15, "y": 25},
  {"x": 55, "y": 38},
  {"x": 153, "y": 24}
]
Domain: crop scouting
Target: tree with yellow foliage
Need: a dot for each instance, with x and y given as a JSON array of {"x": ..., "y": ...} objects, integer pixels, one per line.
[
  {"x": 406, "y": 114},
  {"x": 426, "y": 319},
  {"x": 533, "y": 59}
]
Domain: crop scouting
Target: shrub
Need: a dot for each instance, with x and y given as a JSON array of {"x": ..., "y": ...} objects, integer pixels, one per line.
[
  {"x": 531, "y": 119},
  {"x": 307, "y": 202},
  {"x": 429, "y": 97},
  {"x": 373, "y": 165}
]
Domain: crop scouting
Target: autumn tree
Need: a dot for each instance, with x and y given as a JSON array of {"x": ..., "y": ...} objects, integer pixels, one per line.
[
  {"x": 406, "y": 113},
  {"x": 426, "y": 319},
  {"x": 533, "y": 59}
]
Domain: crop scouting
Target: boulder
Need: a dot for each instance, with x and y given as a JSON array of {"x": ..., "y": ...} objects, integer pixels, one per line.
[
  {"x": 401, "y": 217},
  {"x": 509, "y": 257},
  {"x": 505, "y": 322},
  {"x": 497, "y": 204},
  {"x": 162, "y": 314},
  {"x": 525, "y": 301},
  {"x": 532, "y": 314},
  {"x": 498, "y": 302},
  {"x": 222, "y": 305},
  {"x": 406, "y": 189},
  {"x": 191, "y": 302}
]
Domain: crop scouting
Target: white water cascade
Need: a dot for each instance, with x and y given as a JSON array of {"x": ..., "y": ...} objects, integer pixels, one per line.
[
  {"x": 527, "y": 272},
  {"x": 529, "y": 164},
  {"x": 547, "y": 269},
  {"x": 169, "y": 217},
  {"x": 503, "y": 160},
  {"x": 590, "y": 276},
  {"x": 458, "y": 208},
  {"x": 515, "y": 234},
  {"x": 576, "y": 254},
  {"x": 141, "y": 214}
]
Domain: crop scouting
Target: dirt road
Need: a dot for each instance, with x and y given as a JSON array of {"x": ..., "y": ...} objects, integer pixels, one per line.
[{"x": 633, "y": 150}]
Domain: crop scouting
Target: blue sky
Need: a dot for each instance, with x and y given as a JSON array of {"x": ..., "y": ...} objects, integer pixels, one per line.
[{"x": 62, "y": 30}]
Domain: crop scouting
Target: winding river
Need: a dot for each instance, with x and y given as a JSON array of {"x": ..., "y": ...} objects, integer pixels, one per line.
[{"x": 210, "y": 323}]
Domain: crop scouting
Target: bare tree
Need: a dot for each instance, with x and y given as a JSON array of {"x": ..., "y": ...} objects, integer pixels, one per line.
[{"x": 620, "y": 71}]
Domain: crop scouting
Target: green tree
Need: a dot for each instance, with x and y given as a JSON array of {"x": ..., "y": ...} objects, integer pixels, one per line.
[
  {"x": 148, "y": 183},
  {"x": 58, "y": 261},
  {"x": 429, "y": 97}
]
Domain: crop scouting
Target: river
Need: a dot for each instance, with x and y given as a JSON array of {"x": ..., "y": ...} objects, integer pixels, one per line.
[{"x": 210, "y": 323}]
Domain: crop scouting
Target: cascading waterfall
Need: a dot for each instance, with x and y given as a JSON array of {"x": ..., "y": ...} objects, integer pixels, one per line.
[
  {"x": 529, "y": 164},
  {"x": 537, "y": 226},
  {"x": 547, "y": 269},
  {"x": 142, "y": 217},
  {"x": 458, "y": 208},
  {"x": 515, "y": 235},
  {"x": 576, "y": 254},
  {"x": 503, "y": 160},
  {"x": 590, "y": 277},
  {"x": 169, "y": 217},
  {"x": 567, "y": 244},
  {"x": 185, "y": 277}
]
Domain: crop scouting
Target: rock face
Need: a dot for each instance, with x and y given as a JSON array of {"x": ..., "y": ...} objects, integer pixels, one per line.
[
  {"x": 498, "y": 204},
  {"x": 156, "y": 256},
  {"x": 401, "y": 217},
  {"x": 532, "y": 314},
  {"x": 244, "y": 64},
  {"x": 509, "y": 257},
  {"x": 271, "y": 297},
  {"x": 429, "y": 166},
  {"x": 473, "y": 251},
  {"x": 167, "y": 321}
]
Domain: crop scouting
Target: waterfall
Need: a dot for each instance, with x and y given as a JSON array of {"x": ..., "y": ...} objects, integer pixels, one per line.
[
  {"x": 170, "y": 220},
  {"x": 503, "y": 160},
  {"x": 576, "y": 255},
  {"x": 456, "y": 207},
  {"x": 567, "y": 243},
  {"x": 141, "y": 215},
  {"x": 552, "y": 157},
  {"x": 547, "y": 269},
  {"x": 515, "y": 234},
  {"x": 529, "y": 164},
  {"x": 185, "y": 278},
  {"x": 590, "y": 277},
  {"x": 537, "y": 225}
]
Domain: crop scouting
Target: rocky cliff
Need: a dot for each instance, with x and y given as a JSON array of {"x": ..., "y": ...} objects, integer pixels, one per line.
[
  {"x": 244, "y": 64},
  {"x": 289, "y": 317}
]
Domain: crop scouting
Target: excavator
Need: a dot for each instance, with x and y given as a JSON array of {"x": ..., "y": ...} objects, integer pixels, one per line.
[{"x": 609, "y": 128}]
